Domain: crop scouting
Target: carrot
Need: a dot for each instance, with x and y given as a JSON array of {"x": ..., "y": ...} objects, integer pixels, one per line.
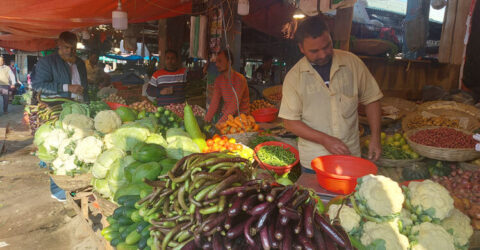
[
  {"x": 231, "y": 123},
  {"x": 243, "y": 116},
  {"x": 255, "y": 128},
  {"x": 230, "y": 117}
]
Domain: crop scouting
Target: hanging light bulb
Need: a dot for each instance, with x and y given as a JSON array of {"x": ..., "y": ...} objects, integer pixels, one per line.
[
  {"x": 243, "y": 7},
  {"x": 119, "y": 18},
  {"x": 298, "y": 14}
]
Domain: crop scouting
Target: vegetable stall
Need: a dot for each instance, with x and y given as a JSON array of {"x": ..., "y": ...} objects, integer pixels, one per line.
[{"x": 173, "y": 181}]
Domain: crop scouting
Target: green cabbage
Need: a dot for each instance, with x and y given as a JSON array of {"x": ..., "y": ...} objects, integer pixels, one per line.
[
  {"x": 116, "y": 177},
  {"x": 41, "y": 134},
  {"x": 180, "y": 144},
  {"x": 44, "y": 155},
  {"x": 101, "y": 186},
  {"x": 174, "y": 134},
  {"x": 157, "y": 139},
  {"x": 74, "y": 108},
  {"x": 105, "y": 161},
  {"x": 129, "y": 135}
]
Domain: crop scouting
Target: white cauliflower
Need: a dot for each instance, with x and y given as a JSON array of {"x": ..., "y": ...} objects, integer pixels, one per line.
[
  {"x": 107, "y": 121},
  {"x": 108, "y": 141},
  {"x": 379, "y": 196},
  {"x": 459, "y": 223},
  {"x": 62, "y": 167},
  {"x": 88, "y": 149},
  {"x": 349, "y": 219},
  {"x": 80, "y": 125},
  {"x": 387, "y": 231},
  {"x": 66, "y": 148},
  {"x": 431, "y": 236},
  {"x": 54, "y": 139},
  {"x": 428, "y": 198}
]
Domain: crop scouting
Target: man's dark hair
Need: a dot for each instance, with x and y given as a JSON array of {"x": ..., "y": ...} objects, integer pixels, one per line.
[
  {"x": 68, "y": 37},
  {"x": 171, "y": 51},
  {"x": 228, "y": 54},
  {"x": 312, "y": 27}
]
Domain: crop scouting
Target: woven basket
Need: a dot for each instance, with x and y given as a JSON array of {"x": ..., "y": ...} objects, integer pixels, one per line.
[
  {"x": 466, "y": 122},
  {"x": 69, "y": 183},
  {"x": 442, "y": 154},
  {"x": 272, "y": 90},
  {"x": 106, "y": 207},
  {"x": 451, "y": 105},
  {"x": 403, "y": 106},
  {"x": 390, "y": 163}
]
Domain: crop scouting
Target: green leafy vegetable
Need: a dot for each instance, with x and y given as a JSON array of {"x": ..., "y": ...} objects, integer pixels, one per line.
[{"x": 276, "y": 156}]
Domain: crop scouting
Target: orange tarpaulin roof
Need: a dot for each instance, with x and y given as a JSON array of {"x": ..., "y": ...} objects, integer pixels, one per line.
[{"x": 33, "y": 25}]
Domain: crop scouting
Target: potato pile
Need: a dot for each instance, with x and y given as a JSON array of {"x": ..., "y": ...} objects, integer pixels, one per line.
[
  {"x": 143, "y": 105},
  {"x": 115, "y": 99},
  {"x": 260, "y": 104}
]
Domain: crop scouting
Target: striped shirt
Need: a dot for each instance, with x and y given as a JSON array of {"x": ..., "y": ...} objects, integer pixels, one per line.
[
  {"x": 223, "y": 89},
  {"x": 163, "y": 79}
]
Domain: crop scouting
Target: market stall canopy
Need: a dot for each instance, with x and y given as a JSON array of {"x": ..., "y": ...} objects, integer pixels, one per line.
[{"x": 33, "y": 25}]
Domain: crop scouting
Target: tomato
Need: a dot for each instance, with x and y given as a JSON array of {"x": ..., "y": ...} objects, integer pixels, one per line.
[
  {"x": 238, "y": 147},
  {"x": 221, "y": 143},
  {"x": 223, "y": 148},
  {"x": 231, "y": 147},
  {"x": 216, "y": 140},
  {"x": 210, "y": 142},
  {"x": 216, "y": 136},
  {"x": 232, "y": 140},
  {"x": 205, "y": 150},
  {"x": 224, "y": 138},
  {"x": 215, "y": 148}
]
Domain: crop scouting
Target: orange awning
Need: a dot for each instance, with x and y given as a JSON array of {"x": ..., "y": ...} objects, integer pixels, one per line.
[{"x": 33, "y": 25}]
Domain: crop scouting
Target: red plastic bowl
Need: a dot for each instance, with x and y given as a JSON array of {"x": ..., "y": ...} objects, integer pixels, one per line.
[
  {"x": 405, "y": 183},
  {"x": 277, "y": 170},
  {"x": 119, "y": 86},
  {"x": 265, "y": 114},
  {"x": 339, "y": 173},
  {"x": 114, "y": 105}
]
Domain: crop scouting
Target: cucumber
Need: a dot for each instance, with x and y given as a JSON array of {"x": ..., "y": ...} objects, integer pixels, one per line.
[
  {"x": 128, "y": 230},
  {"x": 150, "y": 242},
  {"x": 122, "y": 228},
  {"x": 107, "y": 230},
  {"x": 142, "y": 225},
  {"x": 124, "y": 221},
  {"x": 119, "y": 212},
  {"x": 129, "y": 212},
  {"x": 145, "y": 232},
  {"x": 152, "y": 217},
  {"x": 115, "y": 241},
  {"x": 144, "y": 192},
  {"x": 124, "y": 199},
  {"x": 142, "y": 243},
  {"x": 111, "y": 220},
  {"x": 111, "y": 235},
  {"x": 136, "y": 216},
  {"x": 143, "y": 211},
  {"x": 133, "y": 238},
  {"x": 138, "y": 206},
  {"x": 192, "y": 128},
  {"x": 114, "y": 226},
  {"x": 147, "y": 248},
  {"x": 131, "y": 203},
  {"x": 125, "y": 246}
]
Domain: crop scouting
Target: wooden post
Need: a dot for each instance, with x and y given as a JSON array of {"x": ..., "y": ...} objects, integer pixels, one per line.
[
  {"x": 162, "y": 41},
  {"x": 343, "y": 27},
  {"x": 453, "y": 32}
]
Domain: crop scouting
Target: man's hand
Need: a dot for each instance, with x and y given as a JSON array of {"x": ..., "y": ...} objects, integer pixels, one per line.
[
  {"x": 335, "y": 146},
  {"x": 76, "y": 89},
  {"x": 166, "y": 91},
  {"x": 374, "y": 150}
]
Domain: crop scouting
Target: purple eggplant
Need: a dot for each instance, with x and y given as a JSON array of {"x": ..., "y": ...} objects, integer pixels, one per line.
[
  {"x": 308, "y": 219},
  {"x": 287, "y": 196},
  {"x": 264, "y": 217},
  {"x": 234, "y": 210},
  {"x": 319, "y": 239},
  {"x": 260, "y": 208},
  {"x": 287, "y": 239},
  {"x": 306, "y": 243},
  {"x": 290, "y": 213},
  {"x": 264, "y": 238},
  {"x": 330, "y": 231},
  {"x": 247, "y": 231},
  {"x": 236, "y": 231},
  {"x": 249, "y": 202}
]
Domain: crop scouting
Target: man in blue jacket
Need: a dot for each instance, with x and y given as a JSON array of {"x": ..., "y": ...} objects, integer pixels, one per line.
[{"x": 62, "y": 73}]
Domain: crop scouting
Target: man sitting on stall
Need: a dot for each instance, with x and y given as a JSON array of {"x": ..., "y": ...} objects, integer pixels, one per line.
[
  {"x": 168, "y": 85},
  {"x": 231, "y": 87},
  {"x": 321, "y": 95}
]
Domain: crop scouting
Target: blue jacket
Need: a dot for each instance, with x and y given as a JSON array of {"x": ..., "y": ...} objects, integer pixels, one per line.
[{"x": 51, "y": 72}]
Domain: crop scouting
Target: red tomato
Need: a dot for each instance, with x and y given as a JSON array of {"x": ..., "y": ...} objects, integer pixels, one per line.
[
  {"x": 210, "y": 142},
  {"x": 238, "y": 147}
]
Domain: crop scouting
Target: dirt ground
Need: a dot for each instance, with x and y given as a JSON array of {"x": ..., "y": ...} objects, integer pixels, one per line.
[{"x": 29, "y": 217}]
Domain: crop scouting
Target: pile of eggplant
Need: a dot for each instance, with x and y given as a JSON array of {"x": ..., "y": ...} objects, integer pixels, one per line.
[
  {"x": 209, "y": 201},
  {"x": 189, "y": 192}
]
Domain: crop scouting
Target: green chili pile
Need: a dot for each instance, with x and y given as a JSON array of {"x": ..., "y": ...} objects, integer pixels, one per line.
[{"x": 276, "y": 156}]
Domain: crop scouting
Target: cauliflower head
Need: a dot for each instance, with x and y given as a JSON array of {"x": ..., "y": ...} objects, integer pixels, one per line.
[
  {"x": 88, "y": 149},
  {"x": 429, "y": 198},
  {"x": 66, "y": 148},
  {"x": 107, "y": 121},
  {"x": 80, "y": 125},
  {"x": 459, "y": 223},
  {"x": 63, "y": 166},
  {"x": 349, "y": 219},
  {"x": 387, "y": 231},
  {"x": 431, "y": 236},
  {"x": 108, "y": 141},
  {"x": 54, "y": 139},
  {"x": 381, "y": 195}
]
